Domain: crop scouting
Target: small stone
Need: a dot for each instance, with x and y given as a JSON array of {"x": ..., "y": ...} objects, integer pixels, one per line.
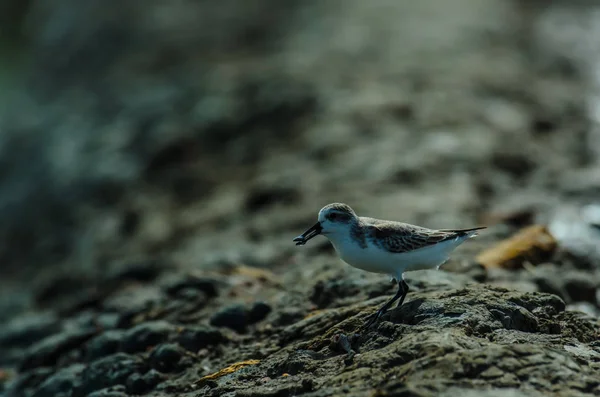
[
  {"x": 62, "y": 381},
  {"x": 107, "y": 320},
  {"x": 142, "y": 384},
  {"x": 49, "y": 350},
  {"x": 132, "y": 301},
  {"x": 517, "y": 165},
  {"x": 166, "y": 357},
  {"x": 144, "y": 271},
  {"x": 190, "y": 294},
  {"x": 25, "y": 382},
  {"x": 145, "y": 335},
  {"x": 258, "y": 312},
  {"x": 109, "y": 371},
  {"x": 194, "y": 339},
  {"x": 581, "y": 287},
  {"x": 262, "y": 197},
  {"x": 28, "y": 329},
  {"x": 176, "y": 283},
  {"x": 492, "y": 372},
  {"x": 234, "y": 317},
  {"x": 104, "y": 344},
  {"x": 117, "y": 391}
]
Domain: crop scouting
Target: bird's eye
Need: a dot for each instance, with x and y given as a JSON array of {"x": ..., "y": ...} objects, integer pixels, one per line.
[{"x": 332, "y": 216}]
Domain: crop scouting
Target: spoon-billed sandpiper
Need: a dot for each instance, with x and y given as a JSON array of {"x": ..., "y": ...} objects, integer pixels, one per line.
[{"x": 386, "y": 247}]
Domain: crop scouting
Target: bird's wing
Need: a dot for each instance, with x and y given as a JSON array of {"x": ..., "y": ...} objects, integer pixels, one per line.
[{"x": 399, "y": 237}]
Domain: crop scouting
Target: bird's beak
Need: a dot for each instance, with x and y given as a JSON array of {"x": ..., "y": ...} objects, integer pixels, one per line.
[{"x": 314, "y": 230}]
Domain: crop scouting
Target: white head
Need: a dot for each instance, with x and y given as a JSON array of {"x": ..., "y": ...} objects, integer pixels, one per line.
[{"x": 334, "y": 220}]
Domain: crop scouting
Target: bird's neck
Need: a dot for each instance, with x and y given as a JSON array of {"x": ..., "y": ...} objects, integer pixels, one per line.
[{"x": 345, "y": 238}]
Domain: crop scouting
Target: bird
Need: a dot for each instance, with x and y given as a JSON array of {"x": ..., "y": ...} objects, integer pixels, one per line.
[{"x": 386, "y": 247}]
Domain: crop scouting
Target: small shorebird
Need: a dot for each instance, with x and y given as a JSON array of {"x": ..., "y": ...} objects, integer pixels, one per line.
[{"x": 386, "y": 247}]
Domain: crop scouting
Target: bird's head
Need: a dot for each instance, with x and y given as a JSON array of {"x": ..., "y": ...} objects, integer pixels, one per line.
[{"x": 334, "y": 219}]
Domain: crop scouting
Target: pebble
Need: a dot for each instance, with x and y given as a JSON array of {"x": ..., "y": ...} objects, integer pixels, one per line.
[
  {"x": 49, "y": 350},
  {"x": 140, "y": 384},
  {"x": 258, "y": 312},
  {"x": 178, "y": 282},
  {"x": 166, "y": 357},
  {"x": 132, "y": 301},
  {"x": 234, "y": 317},
  {"x": 104, "y": 344},
  {"x": 144, "y": 271},
  {"x": 117, "y": 391},
  {"x": 61, "y": 382},
  {"x": 194, "y": 339},
  {"x": 109, "y": 371},
  {"x": 25, "y": 330},
  {"x": 26, "y": 381},
  {"x": 145, "y": 335},
  {"x": 238, "y": 316},
  {"x": 581, "y": 287}
]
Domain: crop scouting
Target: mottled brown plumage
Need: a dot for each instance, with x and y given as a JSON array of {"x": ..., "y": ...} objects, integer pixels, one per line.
[{"x": 398, "y": 237}]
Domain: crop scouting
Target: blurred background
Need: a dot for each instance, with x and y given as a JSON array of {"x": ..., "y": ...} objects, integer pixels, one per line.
[{"x": 198, "y": 134}]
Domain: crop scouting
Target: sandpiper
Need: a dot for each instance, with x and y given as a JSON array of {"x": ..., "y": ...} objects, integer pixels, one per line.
[{"x": 386, "y": 247}]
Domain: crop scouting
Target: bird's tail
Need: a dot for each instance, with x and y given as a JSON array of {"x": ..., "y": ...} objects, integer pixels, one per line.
[{"x": 469, "y": 233}]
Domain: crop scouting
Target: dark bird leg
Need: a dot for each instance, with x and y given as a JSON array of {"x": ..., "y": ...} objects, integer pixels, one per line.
[
  {"x": 405, "y": 289},
  {"x": 400, "y": 294}
]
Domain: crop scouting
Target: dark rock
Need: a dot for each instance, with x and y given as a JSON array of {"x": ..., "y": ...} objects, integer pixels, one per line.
[
  {"x": 580, "y": 287},
  {"x": 145, "y": 335},
  {"x": 238, "y": 317},
  {"x": 142, "y": 384},
  {"x": 515, "y": 164},
  {"x": 116, "y": 391},
  {"x": 22, "y": 332},
  {"x": 234, "y": 317},
  {"x": 143, "y": 271},
  {"x": 258, "y": 312},
  {"x": 326, "y": 292},
  {"x": 571, "y": 285},
  {"x": 550, "y": 284},
  {"x": 61, "y": 383},
  {"x": 133, "y": 301},
  {"x": 27, "y": 382},
  {"x": 191, "y": 295},
  {"x": 176, "y": 283},
  {"x": 70, "y": 293},
  {"x": 166, "y": 357},
  {"x": 105, "y": 344},
  {"x": 484, "y": 313},
  {"x": 288, "y": 315},
  {"x": 194, "y": 339},
  {"x": 49, "y": 350},
  {"x": 130, "y": 223},
  {"x": 107, "y": 320},
  {"x": 265, "y": 196},
  {"x": 109, "y": 371},
  {"x": 25, "y": 330}
]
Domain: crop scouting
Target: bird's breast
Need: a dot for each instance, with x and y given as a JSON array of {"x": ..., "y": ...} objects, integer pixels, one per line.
[{"x": 370, "y": 258}]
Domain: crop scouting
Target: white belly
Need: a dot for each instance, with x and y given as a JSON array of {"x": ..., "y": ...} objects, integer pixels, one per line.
[{"x": 373, "y": 259}]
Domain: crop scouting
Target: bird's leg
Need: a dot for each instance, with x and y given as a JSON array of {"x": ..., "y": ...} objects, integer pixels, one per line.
[
  {"x": 405, "y": 289},
  {"x": 401, "y": 293}
]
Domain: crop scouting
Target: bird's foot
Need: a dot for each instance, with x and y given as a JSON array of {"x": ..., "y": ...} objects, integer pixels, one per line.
[{"x": 371, "y": 320}]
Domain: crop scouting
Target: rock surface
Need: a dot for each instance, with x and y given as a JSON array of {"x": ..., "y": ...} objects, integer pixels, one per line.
[{"x": 159, "y": 157}]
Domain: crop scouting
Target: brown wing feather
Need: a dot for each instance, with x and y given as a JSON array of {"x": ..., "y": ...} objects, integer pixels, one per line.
[{"x": 402, "y": 237}]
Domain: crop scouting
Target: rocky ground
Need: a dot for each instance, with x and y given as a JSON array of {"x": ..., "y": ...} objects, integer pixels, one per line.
[{"x": 153, "y": 183}]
